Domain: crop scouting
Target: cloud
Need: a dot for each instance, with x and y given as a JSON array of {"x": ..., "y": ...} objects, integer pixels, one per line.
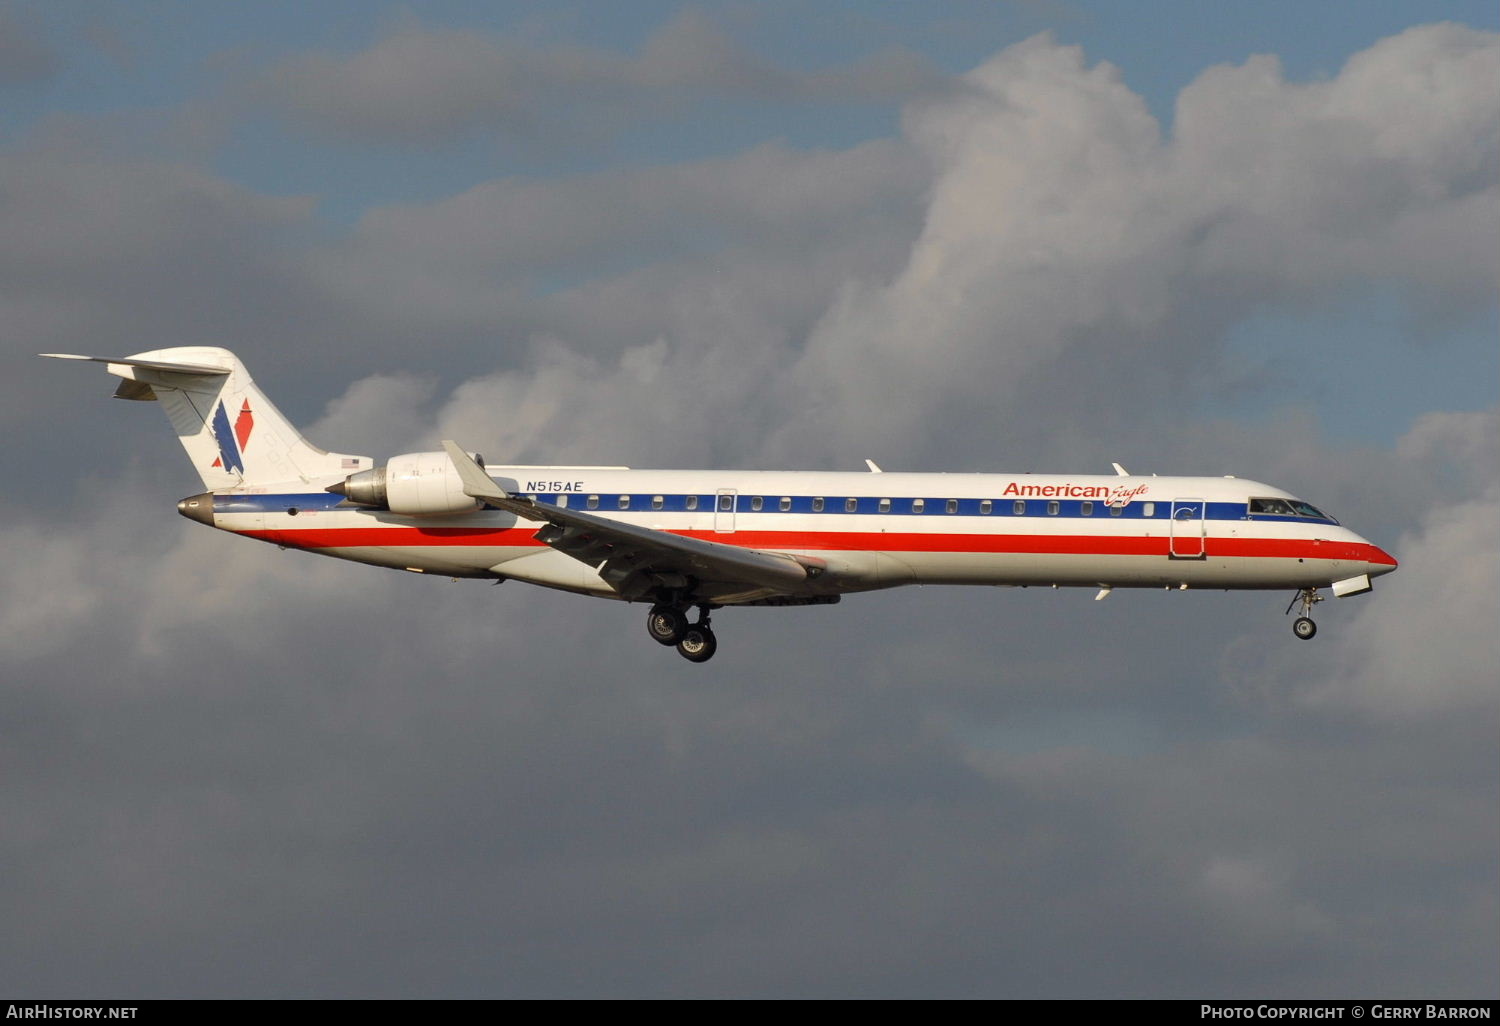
[
  {"x": 1429, "y": 647},
  {"x": 24, "y": 57},
  {"x": 1066, "y": 241},
  {"x": 1062, "y": 241},
  {"x": 550, "y": 235},
  {"x": 1422, "y": 646},
  {"x": 423, "y": 85},
  {"x": 103, "y": 252}
]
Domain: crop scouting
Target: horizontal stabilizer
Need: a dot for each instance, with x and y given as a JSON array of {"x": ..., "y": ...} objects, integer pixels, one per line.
[{"x": 156, "y": 365}]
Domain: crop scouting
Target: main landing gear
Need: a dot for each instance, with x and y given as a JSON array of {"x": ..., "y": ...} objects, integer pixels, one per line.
[
  {"x": 1303, "y": 626},
  {"x": 668, "y": 625}
]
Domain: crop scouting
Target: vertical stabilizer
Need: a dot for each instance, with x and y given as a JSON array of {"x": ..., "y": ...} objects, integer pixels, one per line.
[{"x": 233, "y": 434}]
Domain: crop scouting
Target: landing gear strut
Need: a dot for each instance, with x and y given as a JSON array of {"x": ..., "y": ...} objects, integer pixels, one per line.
[
  {"x": 1303, "y": 626},
  {"x": 668, "y": 625}
]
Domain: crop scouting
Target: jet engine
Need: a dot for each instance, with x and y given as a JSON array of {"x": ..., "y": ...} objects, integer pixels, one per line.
[{"x": 416, "y": 484}]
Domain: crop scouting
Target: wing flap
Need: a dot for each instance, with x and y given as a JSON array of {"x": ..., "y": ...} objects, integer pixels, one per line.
[{"x": 628, "y": 556}]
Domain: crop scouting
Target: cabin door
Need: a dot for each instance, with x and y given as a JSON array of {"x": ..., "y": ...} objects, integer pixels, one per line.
[{"x": 1186, "y": 534}]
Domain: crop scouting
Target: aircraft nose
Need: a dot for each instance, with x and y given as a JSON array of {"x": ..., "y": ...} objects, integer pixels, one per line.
[{"x": 1380, "y": 562}]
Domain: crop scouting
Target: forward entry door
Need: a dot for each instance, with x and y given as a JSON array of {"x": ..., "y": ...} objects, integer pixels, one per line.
[{"x": 1187, "y": 537}]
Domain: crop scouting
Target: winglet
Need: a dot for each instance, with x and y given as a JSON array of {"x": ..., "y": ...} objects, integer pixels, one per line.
[
  {"x": 476, "y": 482},
  {"x": 873, "y": 468},
  {"x": 1120, "y": 470}
]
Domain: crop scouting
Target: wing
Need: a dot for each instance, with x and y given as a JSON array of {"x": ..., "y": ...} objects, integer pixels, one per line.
[{"x": 635, "y": 559}]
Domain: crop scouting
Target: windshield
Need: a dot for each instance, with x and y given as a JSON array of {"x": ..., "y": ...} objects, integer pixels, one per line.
[{"x": 1287, "y": 508}]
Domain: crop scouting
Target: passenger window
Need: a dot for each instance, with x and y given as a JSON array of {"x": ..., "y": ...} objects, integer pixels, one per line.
[
  {"x": 532, "y": 496},
  {"x": 885, "y": 505},
  {"x": 1052, "y": 509},
  {"x": 1116, "y": 511},
  {"x": 593, "y": 502},
  {"x": 1086, "y": 509},
  {"x": 851, "y": 505},
  {"x": 658, "y": 501},
  {"x": 562, "y": 500},
  {"x": 1148, "y": 509},
  {"x": 786, "y": 504},
  {"x": 757, "y": 503},
  {"x": 952, "y": 505},
  {"x": 690, "y": 503},
  {"x": 1019, "y": 507},
  {"x": 624, "y": 502},
  {"x": 918, "y": 505},
  {"x": 726, "y": 504},
  {"x": 818, "y": 504},
  {"x": 985, "y": 506}
]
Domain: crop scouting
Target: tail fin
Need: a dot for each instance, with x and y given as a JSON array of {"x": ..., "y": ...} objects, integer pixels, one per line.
[{"x": 231, "y": 432}]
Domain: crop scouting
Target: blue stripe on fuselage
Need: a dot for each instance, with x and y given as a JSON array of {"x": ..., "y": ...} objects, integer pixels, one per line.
[
  {"x": 233, "y": 502},
  {"x": 803, "y": 504}
]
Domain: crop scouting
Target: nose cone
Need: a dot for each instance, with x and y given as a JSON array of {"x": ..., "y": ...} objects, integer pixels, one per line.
[
  {"x": 1379, "y": 562},
  {"x": 199, "y": 508}
]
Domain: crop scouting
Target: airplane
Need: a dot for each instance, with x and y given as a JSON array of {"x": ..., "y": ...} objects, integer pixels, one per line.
[{"x": 707, "y": 539}]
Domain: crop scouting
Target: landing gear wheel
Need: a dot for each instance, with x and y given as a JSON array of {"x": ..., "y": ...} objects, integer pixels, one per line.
[
  {"x": 698, "y": 644},
  {"x": 1303, "y": 626},
  {"x": 666, "y": 624}
]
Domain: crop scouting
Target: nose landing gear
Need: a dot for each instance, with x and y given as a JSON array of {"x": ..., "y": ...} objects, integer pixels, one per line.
[{"x": 1303, "y": 626}]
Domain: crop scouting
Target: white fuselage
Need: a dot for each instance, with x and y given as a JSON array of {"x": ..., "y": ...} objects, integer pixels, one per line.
[{"x": 860, "y": 530}]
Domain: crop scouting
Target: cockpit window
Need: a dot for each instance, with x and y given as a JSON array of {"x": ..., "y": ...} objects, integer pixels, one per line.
[
  {"x": 1287, "y": 508},
  {"x": 1275, "y": 507}
]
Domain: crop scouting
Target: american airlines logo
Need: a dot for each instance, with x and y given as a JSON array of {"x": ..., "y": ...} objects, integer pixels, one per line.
[
  {"x": 1118, "y": 495},
  {"x": 232, "y": 441}
]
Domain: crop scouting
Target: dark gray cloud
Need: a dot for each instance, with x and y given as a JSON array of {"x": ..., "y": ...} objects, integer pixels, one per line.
[
  {"x": 233, "y": 770},
  {"x": 25, "y": 56},
  {"x": 424, "y": 84}
]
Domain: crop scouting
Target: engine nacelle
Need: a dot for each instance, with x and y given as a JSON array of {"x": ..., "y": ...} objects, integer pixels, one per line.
[{"x": 416, "y": 484}]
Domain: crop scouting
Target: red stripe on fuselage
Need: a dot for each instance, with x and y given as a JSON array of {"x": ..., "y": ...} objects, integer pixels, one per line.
[{"x": 839, "y": 541}]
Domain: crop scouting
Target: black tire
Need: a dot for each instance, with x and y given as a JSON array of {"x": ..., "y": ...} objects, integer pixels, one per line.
[
  {"x": 698, "y": 644},
  {"x": 666, "y": 624},
  {"x": 1304, "y": 628}
]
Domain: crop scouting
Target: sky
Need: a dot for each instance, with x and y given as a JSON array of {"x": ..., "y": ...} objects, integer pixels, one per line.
[{"x": 1260, "y": 240}]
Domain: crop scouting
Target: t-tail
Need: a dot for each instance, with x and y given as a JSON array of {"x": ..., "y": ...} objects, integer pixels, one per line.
[{"x": 233, "y": 434}]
